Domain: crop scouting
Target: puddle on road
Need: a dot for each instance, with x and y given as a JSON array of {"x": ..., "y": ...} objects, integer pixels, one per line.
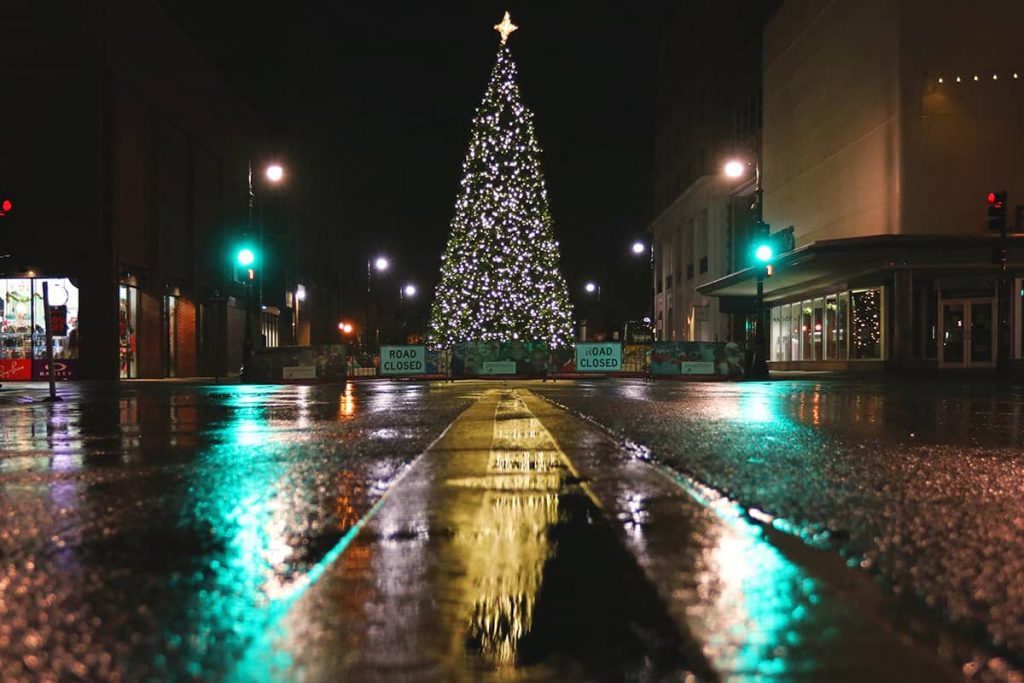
[{"x": 493, "y": 562}]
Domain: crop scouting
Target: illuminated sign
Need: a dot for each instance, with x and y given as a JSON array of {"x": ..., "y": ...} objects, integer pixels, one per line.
[
  {"x": 403, "y": 360},
  {"x": 598, "y": 356}
]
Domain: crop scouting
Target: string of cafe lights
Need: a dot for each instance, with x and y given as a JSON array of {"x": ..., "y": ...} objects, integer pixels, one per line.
[{"x": 976, "y": 78}]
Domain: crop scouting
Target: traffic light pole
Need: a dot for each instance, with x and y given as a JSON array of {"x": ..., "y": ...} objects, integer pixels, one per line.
[
  {"x": 759, "y": 360},
  {"x": 1003, "y": 300},
  {"x": 759, "y": 364},
  {"x": 245, "y": 374}
]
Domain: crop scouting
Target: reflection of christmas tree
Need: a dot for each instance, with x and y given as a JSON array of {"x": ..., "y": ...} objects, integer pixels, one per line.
[
  {"x": 867, "y": 323},
  {"x": 499, "y": 274}
]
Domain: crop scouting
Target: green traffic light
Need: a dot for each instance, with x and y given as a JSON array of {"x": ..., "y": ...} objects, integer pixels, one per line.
[
  {"x": 246, "y": 257},
  {"x": 763, "y": 253}
]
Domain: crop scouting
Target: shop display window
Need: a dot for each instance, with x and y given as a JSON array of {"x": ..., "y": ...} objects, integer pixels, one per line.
[
  {"x": 834, "y": 327},
  {"x": 16, "y": 313},
  {"x": 128, "y": 305},
  {"x": 23, "y": 332},
  {"x": 866, "y": 324}
]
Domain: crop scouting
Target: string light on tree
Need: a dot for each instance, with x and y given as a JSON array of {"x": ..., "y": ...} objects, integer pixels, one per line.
[{"x": 500, "y": 277}]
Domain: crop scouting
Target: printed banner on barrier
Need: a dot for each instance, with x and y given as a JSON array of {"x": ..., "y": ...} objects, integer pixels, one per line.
[
  {"x": 524, "y": 358},
  {"x": 403, "y": 360},
  {"x": 598, "y": 356},
  {"x": 721, "y": 359}
]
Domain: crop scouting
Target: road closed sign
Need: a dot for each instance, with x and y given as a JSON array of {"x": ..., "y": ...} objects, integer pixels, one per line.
[
  {"x": 598, "y": 356},
  {"x": 403, "y": 360}
]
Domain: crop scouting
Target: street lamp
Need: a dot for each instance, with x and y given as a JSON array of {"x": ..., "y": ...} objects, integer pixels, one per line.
[
  {"x": 763, "y": 254},
  {"x": 639, "y": 248},
  {"x": 593, "y": 287},
  {"x": 380, "y": 264},
  {"x": 409, "y": 291},
  {"x": 275, "y": 173}
]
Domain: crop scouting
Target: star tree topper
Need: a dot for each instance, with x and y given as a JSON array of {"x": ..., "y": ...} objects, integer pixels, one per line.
[{"x": 505, "y": 28}]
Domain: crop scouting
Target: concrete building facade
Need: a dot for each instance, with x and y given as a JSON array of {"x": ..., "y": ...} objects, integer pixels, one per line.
[
  {"x": 885, "y": 125},
  {"x": 127, "y": 161}
]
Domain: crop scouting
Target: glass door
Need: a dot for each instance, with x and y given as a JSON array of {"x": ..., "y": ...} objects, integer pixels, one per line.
[
  {"x": 983, "y": 333},
  {"x": 968, "y": 333},
  {"x": 954, "y": 345}
]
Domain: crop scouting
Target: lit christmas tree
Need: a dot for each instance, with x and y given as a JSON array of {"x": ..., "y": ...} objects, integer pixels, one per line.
[{"x": 500, "y": 279}]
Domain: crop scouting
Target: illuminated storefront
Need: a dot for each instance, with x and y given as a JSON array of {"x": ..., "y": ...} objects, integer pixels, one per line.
[
  {"x": 23, "y": 332},
  {"x": 909, "y": 302},
  {"x": 128, "y": 324},
  {"x": 844, "y": 325}
]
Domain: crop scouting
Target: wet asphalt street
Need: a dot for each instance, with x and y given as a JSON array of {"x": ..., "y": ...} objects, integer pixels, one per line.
[{"x": 790, "y": 530}]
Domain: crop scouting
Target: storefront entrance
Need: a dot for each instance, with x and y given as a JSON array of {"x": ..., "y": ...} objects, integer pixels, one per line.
[{"x": 967, "y": 332}]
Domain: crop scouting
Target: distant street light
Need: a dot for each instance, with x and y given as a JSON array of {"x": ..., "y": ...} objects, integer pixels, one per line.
[
  {"x": 409, "y": 290},
  {"x": 345, "y": 327},
  {"x": 639, "y": 248},
  {"x": 275, "y": 173},
  {"x": 735, "y": 168},
  {"x": 590, "y": 287},
  {"x": 380, "y": 264}
]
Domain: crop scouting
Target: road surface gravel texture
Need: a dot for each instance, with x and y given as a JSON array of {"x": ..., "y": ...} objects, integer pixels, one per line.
[
  {"x": 784, "y": 530},
  {"x": 919, "y": 483}
]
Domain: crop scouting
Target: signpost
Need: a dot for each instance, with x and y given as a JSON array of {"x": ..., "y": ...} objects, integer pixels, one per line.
[
  {"x": 49, "y": 339},
  {"x": 598, "y": 356},
  {"x": 403, "y": 360}
]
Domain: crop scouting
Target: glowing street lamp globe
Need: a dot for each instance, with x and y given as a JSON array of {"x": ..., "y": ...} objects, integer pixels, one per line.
[
  {"x": 275, "y": 173},
  {"x": 639, "y": 248},
  {"x": 590, "y": 287},
  {"x": 735, "y": 168},
  {"x": 381, "y": 263},
  {"x": 410, "y": 290}
]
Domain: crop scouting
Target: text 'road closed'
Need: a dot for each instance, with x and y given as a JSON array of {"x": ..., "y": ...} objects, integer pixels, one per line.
[
  {"x": 403, "y": 360},
  {"x": 598, "y": 356}
]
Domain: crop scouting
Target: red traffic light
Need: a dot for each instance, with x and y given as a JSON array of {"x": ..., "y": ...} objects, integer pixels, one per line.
[
  {"x": 994, "y": 199},
  {"x": 5, "y": 206}
]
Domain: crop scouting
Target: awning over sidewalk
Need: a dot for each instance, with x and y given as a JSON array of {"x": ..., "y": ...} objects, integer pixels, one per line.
[{"x": 849, "y": 260}]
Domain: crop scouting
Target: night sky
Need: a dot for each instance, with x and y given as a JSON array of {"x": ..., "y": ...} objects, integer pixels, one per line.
[{"x": 370, "y": 104}]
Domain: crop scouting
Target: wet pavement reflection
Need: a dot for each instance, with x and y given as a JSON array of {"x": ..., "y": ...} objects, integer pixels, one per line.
[
  {"x": 917, "y": 483},
  {"x": 147, "y": 529},
  {"x": 491, "y": 560}
]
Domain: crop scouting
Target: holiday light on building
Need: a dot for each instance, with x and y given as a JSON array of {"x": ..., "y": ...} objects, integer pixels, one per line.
[{"x": 500, "y": 277}]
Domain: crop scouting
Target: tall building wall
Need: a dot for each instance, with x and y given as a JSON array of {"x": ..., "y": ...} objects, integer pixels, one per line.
[
  {"x": 861, "y": 138},
  {"x": 961, "y": 140},
  {"x": 831, "y": 118}
]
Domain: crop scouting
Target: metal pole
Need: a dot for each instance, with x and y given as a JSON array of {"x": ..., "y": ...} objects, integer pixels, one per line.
[
  {"x": 49, "y": 342},
  {"x": 1003, "y": 352},
  {"x": 759, "y": 364},
  {"x": 246, "y": 371}
]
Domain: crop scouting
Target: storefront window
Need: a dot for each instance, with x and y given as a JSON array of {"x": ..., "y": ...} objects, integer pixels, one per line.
[
  {"x": 842, "y": 320},
  {"x": 23, "y": 331},
  {"x": 61, "y": 293},
  {"x": 17, "y": 323},
  {"x": 818, "y": 330},
  {"x": 776, "y": 330},
  {"x": 127, "y": 325},
  {"x": 171, "y": 335},
  {"x": 806, "y": 331},
  {"x": 866, "y": 324},
  {"x": 831, "y": 338},
  {"x": 268, "y": 328}
]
